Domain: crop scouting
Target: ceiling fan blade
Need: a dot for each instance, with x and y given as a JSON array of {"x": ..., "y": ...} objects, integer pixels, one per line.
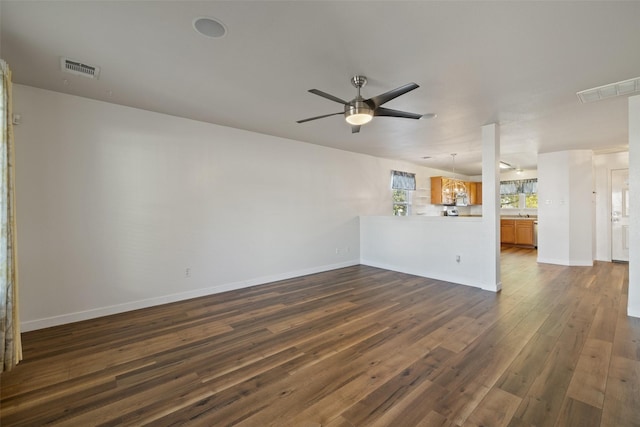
[
  {"x": 381, "y": 111},
  {"x": 318, "y": 117},
  {"x": 388, "y": 96},
  {"x": 355, "y": 129},
  {"x": 328, "y": 96}
]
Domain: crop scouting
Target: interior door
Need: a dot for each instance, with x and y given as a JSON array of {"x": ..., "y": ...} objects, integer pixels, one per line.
[{"x": 620, "y": 215}]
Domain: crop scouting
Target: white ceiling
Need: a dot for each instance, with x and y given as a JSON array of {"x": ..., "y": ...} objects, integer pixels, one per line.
[{"x": 516, "y": 63}]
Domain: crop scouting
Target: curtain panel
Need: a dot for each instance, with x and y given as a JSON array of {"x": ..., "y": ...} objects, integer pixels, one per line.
[
  {"x": 403, "y": 180},
  {"x": 9, "y": 320},
  {"x": 529, "y": 186},
  {"x": 526, "y": 186}
]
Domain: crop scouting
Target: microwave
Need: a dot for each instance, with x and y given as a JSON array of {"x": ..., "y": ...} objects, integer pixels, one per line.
[{"x": 462, "y": 200}]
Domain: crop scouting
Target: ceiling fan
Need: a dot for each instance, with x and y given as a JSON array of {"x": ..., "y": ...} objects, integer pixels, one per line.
[{"x": 360, "y": 111}]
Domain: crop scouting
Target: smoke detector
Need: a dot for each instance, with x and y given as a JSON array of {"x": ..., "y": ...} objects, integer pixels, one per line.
[{"x": 78, "y": 68}]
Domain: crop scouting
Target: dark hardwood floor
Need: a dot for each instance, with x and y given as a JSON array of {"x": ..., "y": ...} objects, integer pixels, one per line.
[{"x": 358, "y": 346}]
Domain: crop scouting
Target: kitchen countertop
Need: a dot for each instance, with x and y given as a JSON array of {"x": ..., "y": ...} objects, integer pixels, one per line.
[{"x": 520, "y": 218}]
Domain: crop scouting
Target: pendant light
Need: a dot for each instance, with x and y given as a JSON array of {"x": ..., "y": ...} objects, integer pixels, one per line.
[{"x": 454, "y": 187}]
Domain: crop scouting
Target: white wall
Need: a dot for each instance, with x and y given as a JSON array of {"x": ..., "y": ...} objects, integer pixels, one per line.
[
  {"x": 633, "y": 306},
  {"x": 553, "y": 208},
  {"x": 115, "y": 203},
  {"x": 565, "y": 219},
  {"x": 603, "y": 164},
  {"x": 455, "y": 249},
  {"x": 512, "y": 175},
  {"x": 428, "y": 247},
  {"x": 581, "y": 205}
]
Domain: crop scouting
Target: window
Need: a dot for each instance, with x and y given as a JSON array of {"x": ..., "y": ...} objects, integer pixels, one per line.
[
  {"x": 531, "y": 201},
  {"x": 402, "y": 186},
  {"x": 519, "y": 194},
  {"x": 401, "y": 202},
  {"x": 509, "y": 200}
]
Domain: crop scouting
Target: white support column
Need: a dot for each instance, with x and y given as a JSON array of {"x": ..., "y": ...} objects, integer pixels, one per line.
[
  {"x": 633, "y": 306},
  {"x": 491, "y": 204}
]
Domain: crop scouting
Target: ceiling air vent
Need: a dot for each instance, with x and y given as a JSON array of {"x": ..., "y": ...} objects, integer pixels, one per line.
[
  {"x": 626, "y": 87},
  {"x": 79, "y": 69}
]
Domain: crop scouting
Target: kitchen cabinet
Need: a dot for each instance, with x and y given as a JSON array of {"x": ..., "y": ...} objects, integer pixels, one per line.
[
  {"x": 524, "y": 232},
  {"x": 507, "y": 231},
  {"x": 474, "y": 191},
  {"x": 517, "y": 232},
  {"x": 439, "y": 196}
]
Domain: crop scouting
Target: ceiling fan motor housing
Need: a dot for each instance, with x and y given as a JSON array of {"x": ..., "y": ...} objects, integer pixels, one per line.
[
  {"x": 358, "y": 112},
  {"x": 357, "y": 106}
]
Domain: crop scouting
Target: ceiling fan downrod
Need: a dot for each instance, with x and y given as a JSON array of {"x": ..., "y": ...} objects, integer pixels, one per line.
[{"x": 359, "y": 82}]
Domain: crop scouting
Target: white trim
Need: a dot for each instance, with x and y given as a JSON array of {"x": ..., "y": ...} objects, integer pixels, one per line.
[
  {"x": 442, "y": 277},
  {"x": 633, "y": 312},
  {"x": 48, "y": 322},
  {"x": 633, "y": 303},
  {"x": 565, "y": 262},
  {"x": 581, "y": 263}
]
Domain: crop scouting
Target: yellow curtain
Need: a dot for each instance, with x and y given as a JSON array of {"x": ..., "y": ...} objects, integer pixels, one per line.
[{"x": 9, "y": 320}]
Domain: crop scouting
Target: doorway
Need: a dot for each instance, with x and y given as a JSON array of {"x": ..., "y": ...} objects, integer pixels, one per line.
[{"x": 620, "y": 215}]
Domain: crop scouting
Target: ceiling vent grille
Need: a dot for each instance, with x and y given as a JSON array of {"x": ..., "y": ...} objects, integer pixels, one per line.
[
  {"x": 626, "y": 87},
  {"x": 79, "y": 69}
]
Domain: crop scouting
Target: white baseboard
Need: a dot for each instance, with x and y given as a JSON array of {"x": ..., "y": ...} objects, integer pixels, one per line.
[
  {"x": 496, "y": 288},
  {"x": 568, "y": 263},
  {"x": 32, "y": 325},
  {"x": 444, "y": 278}
]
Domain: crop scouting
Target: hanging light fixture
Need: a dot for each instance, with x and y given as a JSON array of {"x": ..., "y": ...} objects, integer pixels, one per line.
[
  {"x": 454, "y": 188},
  {"x": 358, "y": 112}
]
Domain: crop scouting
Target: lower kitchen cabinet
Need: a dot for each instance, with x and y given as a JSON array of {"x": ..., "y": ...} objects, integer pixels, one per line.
[
  {"x": 516, "y": 232},
  {"x": 507, "y": 231},
  {"x": 524, "y": 232}
]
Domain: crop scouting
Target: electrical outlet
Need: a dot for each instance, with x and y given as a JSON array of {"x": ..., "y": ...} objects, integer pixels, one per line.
[{"x": 187, "y": 272}]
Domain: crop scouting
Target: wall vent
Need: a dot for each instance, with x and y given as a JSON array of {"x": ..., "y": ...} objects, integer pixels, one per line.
[
  {"x": 78, "y": 68},
  {"x": 626, "y": 87}
]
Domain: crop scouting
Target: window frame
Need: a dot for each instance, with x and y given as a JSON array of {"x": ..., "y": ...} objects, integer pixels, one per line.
[
  {"x": 525, "y": 199},
  {"x": 403, "y": 184}
]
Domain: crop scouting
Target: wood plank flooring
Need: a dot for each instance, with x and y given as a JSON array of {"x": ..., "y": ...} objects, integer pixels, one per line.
[{"x": 357, "y": 346}]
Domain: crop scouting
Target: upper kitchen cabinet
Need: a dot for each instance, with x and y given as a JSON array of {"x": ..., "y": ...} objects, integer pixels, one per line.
[
  {"x": 442, "y": 192},
  {"x": 438, "y": 194},
  {"x": 474, "y": 190}
]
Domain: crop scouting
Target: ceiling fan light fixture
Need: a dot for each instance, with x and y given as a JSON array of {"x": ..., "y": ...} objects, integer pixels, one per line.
[
  {"x": 358, "y": 119},
  {"x": 358, "y": 113}
]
